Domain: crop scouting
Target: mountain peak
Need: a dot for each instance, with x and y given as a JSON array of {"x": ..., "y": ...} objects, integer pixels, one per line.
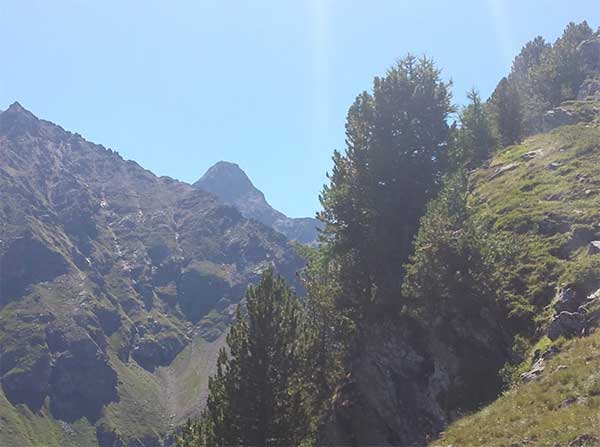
[
  {"x": 228, "y": 181},
  {"x": 17, "y": 119},
  {"x": 16, "y": 107}
]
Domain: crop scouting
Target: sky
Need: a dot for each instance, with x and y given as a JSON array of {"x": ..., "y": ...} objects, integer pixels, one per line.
[{"x": 178, "y": 85}]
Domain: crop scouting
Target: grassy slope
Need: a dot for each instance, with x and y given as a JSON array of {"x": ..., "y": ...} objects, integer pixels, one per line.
[
  {"x": 20, "y": 427},
  {"x": 544, "y": 201},
  {"x": 144, "y": 410},
  {"x": 538, "y": 413}
]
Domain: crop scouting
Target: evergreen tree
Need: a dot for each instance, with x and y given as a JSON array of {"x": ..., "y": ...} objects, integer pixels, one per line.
[
  {"x": 475, "y": 140},
  {"x": 561, "y": 71},
  {"x": 252, "y": 400},
  {"x": 396, "y": 141},
  {"x": 542, "y": 76},
  {"x": 507, "y": 111},
  {"x": 453, "y": 289},
  {"x": 530, "y": 89}
]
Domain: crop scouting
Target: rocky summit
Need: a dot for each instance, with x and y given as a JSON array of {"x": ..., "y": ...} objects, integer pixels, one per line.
[
  {"x": 115, "y": 288},
  {"x": 231, "y": 184}
]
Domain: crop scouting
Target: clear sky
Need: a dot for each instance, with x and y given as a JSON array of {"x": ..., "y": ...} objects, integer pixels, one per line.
[{"x": 180, "y": 84}]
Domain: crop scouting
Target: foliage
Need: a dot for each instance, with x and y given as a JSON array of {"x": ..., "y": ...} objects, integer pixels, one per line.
[
  {"x": 543, "y": 75},
  {"x": 253, "y": 396},
  {"x": 475, "y": 138},
  {"x": 505, "y": 103},
  {"x": 395, "y": 157}
]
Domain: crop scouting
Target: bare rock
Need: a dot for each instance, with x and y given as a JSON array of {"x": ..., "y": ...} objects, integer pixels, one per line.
[
  {"x": 567, "y": 300},
  {"x": 557, "y": 117},
  {"x": 535, "y": 371},
  {"x": 502, "y": 169},
  {"x": 585, "y": 440},
  {"x": 589, "y": 90},
  {"x": 590, "y": 54},
  {"x": 553, "y": 166},
  {"x": 566, "y": 324},
  {"x": 594, "y": 248},
  {"x": 82, "y": 382},
  {"x": 531, "y": 154}
]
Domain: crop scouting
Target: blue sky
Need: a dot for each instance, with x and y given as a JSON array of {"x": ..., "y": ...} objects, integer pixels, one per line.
[{"x": 178, "y": 85}]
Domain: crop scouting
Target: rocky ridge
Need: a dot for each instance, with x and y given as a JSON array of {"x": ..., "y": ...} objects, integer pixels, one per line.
[{"x": 108, "y": 274}]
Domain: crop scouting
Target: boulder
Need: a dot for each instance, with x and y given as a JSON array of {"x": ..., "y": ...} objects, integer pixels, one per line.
[
  {"x": 535, "y": 371},
  {"x": 585, "y": 440},
  {"x": 502, "y": 169},
  {"x": 531, "y": 154},
  {"x": 557, "y": 117},
  {"x": 566, "y": 324}
]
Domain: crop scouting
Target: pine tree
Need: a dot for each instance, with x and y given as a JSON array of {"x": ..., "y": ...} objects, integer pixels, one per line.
[
  {"x": 475, "y": 140},
  {"x": 507, "y": 110},
  {"x": 251, "y": 399},
  {"x": 396, "y": 141}
]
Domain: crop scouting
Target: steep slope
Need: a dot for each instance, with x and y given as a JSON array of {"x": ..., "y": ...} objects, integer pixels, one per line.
[
  {"x": 545, "y": 192},
  {"x": 231, "y": 184},
  {"x": 407, "y": 382},
  {"x": 115, "y": 288}
]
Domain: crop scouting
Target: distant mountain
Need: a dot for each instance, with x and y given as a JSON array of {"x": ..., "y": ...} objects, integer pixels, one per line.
[
  {"x": 231, "y": 184},
  {"x": 116, "y": 287}
]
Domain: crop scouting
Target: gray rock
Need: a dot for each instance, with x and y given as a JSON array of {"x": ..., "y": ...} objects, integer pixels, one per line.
[
  {"x": 567, "y": 300},
  {"x": 589, "y": 90},
  {"x": 531, "y": 154},
  {"x": 566, "y": 324},
  {"x": 557, "y": 117},
  {"x": 535, "y": 371},
  {"x": 585, "y": 440},
  {"x": 553, "y": 166},
  {"x": 590, "y": 54},
  {"x": 594, "y": 248},
  {"x": 502, "y": 169}
]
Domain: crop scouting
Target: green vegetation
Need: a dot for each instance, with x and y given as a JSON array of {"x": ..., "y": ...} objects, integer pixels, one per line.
[
  {"x": 452, "y": 241},
  {"x": 256, "y": 395},
  {"x": 558, "y": 408},
  {"x": 444, "y": 253},
  {"x": 393, "y": 164}
]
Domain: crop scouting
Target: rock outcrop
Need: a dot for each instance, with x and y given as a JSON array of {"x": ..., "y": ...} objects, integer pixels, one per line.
[{"x": 407, "y": 382}]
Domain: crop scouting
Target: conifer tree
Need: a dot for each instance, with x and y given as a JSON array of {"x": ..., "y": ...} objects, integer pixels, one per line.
[
  {"x": 396, "y": 139},
  {"x": 475, "y": 140},
  {"x": 251, "y": 398},
  {"x": 507, "y": 110}
]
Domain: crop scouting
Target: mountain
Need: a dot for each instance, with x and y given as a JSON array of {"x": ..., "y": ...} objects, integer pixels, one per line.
[
  {"x": 231, "y": 184},
  {"x": 115, "y": 289}
]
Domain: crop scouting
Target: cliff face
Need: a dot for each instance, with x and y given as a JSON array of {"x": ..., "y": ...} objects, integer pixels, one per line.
[
  {"x": 115, "y": 288},
  {"x": 228, "y": 182}
]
